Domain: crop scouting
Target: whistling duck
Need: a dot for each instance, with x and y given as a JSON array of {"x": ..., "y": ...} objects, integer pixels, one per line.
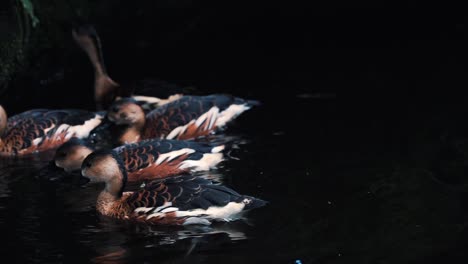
[
  {"x": 107, "y": 90},
  {"x": 177, "y": 200},
  {"x": 147, "y": 159},
  {"x": 187, "y": 118},
  {"x": 40, "y": 130}
]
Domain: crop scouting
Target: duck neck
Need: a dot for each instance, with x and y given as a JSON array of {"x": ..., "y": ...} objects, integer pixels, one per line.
[
  {"x": 105, "y": 89},
  {"x": 132, "y": 133},
  {"x": 110, "y": 195},
  {"x": 92, "y": 46},
  {"x": 104, "y": 86},
  {"x": 3, "y": 122}
]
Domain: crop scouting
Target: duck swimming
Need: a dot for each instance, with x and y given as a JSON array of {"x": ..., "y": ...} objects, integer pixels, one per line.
[
  {"x": 187, "y": 118},
  {"x": 42, "y": 129},
  {"x": 144, "y": 160},
  {"x": 177, "y": 200},
  {"x": 106, "y": 90}
]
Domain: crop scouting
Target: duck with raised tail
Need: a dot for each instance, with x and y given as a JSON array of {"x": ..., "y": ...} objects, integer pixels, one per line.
[
  {"x": 42, "y": 129},
  {"x": 189, "y": 117},
  {"x": 145, "y": 160},
  {"x": 106, "y": 90},
  {"x": 178, "y": 200}
]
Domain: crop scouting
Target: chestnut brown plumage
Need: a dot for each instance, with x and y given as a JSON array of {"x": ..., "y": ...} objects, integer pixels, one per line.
[
  {"x": 42, "y": 129},
  {"x": 147, "y": 159},
  {"x": 177, "y": 200},
  {"x": 187, "y": 118}
]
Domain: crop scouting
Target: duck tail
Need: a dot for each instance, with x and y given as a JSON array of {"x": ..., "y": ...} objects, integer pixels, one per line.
[
  {"x": 252, "y": 202},
  {"x": 253, "y": 103}
]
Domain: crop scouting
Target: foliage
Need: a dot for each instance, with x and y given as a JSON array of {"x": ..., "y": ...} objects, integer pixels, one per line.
[{"x": 29, "y": 9}]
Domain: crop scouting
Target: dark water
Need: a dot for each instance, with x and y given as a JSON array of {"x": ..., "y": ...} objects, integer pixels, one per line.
[
  {"x": 344, "y": 185},
  {"x": 360, "y": 162}
]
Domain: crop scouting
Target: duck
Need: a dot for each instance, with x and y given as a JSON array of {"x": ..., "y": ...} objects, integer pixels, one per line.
[
  {"x": 145, "y": 160},
  {"x": 177, "y": 200},
  {"x": 40, "y": 130},
  {"x": 106, "y": 90},
  {"x": 189, "y": 117}
]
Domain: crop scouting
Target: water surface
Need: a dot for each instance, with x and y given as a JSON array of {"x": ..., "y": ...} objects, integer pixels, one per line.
[{"x": 347, "y": 181}]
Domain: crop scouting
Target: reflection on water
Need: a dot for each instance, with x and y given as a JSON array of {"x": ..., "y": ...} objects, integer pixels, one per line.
[{"x": 112, "y": 242}]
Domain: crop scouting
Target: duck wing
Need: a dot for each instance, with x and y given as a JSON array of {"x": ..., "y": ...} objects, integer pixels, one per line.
[
  {"x": 188, "y": 200},
  {"x": 42, "y": 130},
  {"x": 193, "y": 116},
  {"x": 159, "y": 158},
  {"x": 27, "y": 116}
]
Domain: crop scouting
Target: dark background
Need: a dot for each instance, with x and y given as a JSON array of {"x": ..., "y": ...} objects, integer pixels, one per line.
[
  {"x": 363, "y": 106},
  {"x": 365, "y": 51}
]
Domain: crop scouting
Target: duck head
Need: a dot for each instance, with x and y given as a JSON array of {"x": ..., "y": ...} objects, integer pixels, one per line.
[
  {"x": 105, "y": 166},
  {"x": 70, "y": 155},
  {"x": 126, "y": 112}
]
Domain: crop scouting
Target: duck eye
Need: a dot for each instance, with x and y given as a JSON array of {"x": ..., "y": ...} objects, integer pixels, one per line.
[
  {"x": 115, "y": 109},
  {"x": 88, "y": 164},
  {"x": 61, "y": 154}
]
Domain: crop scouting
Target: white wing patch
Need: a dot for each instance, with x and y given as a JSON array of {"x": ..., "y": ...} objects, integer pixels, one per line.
[
  {"x": 37, "y": 141},
  {"x": 217, "y": 149},
  {"x": 158, "y": 209},
  {"x": 169, "y": 209},
  {"x": 230, "y": 113},
  {"x": 179, "y": 130},
  {"x": 208, "y": 161},
  {"x": 229, "y": 212},
  {"x": 82, "y": 131},
  {"x": 173, "y": 154},
  {"x": 49, "y": 128},
  {"x": 62, "y": 128},
  {"x": 143, "y": 209},
  {"x": 210, "y": 115},
  {"x": 156, "y": 100},
  {"x": 148, "y": 99}
]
